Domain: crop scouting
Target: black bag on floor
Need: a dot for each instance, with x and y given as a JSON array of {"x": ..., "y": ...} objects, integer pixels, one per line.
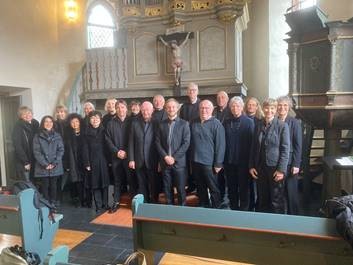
[{"x": 341, "y": 208}]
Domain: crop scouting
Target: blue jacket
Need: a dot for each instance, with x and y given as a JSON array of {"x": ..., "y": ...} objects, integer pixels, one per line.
[
  {"x": 48, "y": 148},
  {"x": 239, "y": 133},
  {"x": 277, "y": 146},
  {"x": 207, "y": 142}
]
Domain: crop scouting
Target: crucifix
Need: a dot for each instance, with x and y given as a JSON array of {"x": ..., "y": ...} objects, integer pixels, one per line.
[{"x": 176, "y": 42}]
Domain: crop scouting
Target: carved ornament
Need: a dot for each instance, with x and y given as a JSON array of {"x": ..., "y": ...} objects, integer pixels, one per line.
[
  {"x": 202, "y": 5},
  {"x": 131, "y": 11},
  {"x": 153, "y": 11},
  {"x": 177, "y": 4}
]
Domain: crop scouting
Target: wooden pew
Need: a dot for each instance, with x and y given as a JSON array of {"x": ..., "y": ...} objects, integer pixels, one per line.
[
  {"x": 19, "y": 217},
  {"x": 249, "y": 237}
]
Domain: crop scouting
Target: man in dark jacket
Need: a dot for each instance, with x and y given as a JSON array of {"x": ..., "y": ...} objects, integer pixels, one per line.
[
  {"x": 189, "y": 111},
  {"x": 207, "y": 154},
  {"x": 172, "y": 141},
  {"x": 159, "y": 113},
  {"x": 295, "y": 154},
  {"x": 222, "y": 113},
  {"x": 142, "y": 153},
  {"x": 22, "y": 137},
  {"x": 116, "y": 136},
  {"x": 269, "y": 159},
  {"x": 239, "y": 131}
]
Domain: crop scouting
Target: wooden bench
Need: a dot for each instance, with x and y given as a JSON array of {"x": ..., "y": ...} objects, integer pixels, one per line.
[
  {"x": 19, "y": 217},
  {"x": 255, "y": 238}
]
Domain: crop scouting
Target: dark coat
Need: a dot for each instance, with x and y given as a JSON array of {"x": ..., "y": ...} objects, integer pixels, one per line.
[
  {"x": 179, "y": 145},
  {"x": 93, "y": 156},
  {"x": 117, "y": 136},
  {"x": 277, "y": 145},
  {"x": 48, "y": 148},
  {"x": 190, "y": 112},
  {"x": 295, "y": 135},
  {"x": 207, "y": 142},
  {"x": 74, "y": 156},
  {"x": 239, "y": 133},
  {"x": 107, "y": 118},
  {"x": 22, "y": 139},
  {"x": 142, "y": 147}
]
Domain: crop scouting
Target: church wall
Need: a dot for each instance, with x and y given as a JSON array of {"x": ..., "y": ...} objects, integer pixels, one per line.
[
  {"x": 337, "y": 10},
  {"x": 40, "y": 51}
]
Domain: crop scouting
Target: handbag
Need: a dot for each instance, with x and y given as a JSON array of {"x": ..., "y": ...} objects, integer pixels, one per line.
[
  {"x": 133, "y": 257},
  {"x": 16, "y": 255}
]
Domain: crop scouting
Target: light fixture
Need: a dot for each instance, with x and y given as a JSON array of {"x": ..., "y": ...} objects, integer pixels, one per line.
[{"x": 71, "y": 10}]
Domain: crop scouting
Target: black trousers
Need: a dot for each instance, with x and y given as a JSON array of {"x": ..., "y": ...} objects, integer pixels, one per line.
[
  {"x": 292, "y": 197},
  {"x": 77, "y": 191},
  {"x": 271, "y": 193},
  {"x": 238, "y": 187},
  {"x": 100, "y": 197},
  {"x": 221, "y": 179},
  {"x": 206, "y": 180},
  {"x": 49, "y": 188},
  {"x": 253, "y": 194},
  {"x": 147, "y": 184},
  {"x": 121, "y": 175},
  {"x": 175, "y": 177}
]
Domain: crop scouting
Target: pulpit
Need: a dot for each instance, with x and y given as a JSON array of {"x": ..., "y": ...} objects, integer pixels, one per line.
[{"x": 321, "y": 79}]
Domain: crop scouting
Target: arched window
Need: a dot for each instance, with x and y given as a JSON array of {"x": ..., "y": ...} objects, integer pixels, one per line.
[{"x": 100, "y": 28}]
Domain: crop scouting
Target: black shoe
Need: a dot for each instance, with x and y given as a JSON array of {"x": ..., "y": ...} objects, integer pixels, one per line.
[{"x": 114, "y": 208}]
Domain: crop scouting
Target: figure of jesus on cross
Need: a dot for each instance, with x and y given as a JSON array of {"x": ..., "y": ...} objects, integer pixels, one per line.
[{"x": 177, "y": 62}]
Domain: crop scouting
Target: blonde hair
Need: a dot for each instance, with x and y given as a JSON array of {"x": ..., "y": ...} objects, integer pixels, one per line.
[
  {"x": 259, "y": 114},
  {"x": 106, "y": 103}
]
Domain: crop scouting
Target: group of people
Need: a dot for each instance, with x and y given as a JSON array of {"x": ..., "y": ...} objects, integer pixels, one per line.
[{"x": 237, "y": 154}]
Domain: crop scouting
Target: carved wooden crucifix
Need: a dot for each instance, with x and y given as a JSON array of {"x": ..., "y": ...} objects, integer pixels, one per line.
[{"x": 176, "y": 42}]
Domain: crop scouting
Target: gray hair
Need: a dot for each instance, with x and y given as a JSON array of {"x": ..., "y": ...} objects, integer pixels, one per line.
[
  {"x": 88, "y": 103},
  {"x": 236, "y": 99},
  {"x": 285, "y": 99},
  {"x": 192, "y": 84}
]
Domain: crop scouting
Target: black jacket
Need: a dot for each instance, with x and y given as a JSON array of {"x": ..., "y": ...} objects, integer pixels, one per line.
[
  {"x": 22, "y": 137},
  {"x": 48, "y": 148},
  {"x": 74, "y": 156},
  {"x": 179, "y": 145},
  {"x": 222, "y": 115},
  {"x": 159, "y": 115},
  {"x": 93, "y": 156},
  {"x": 142, "y": 147},
  {"x": 117, "y": 136},
  {"x": 277, "y": 145},
  {"x": 207, "y": 142},
  {"x": 190, "y": 112},
  {"x": 239, "y": 133},
  {"x": 295, "y": 135}
]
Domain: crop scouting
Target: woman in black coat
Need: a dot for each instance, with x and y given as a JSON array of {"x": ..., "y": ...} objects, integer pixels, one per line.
[
  {"x": 95, "y": 161},
  {"x": 22, "y": 137},
  {"x": 48, "y": 150},
  {"x": 74, "y": 142}
]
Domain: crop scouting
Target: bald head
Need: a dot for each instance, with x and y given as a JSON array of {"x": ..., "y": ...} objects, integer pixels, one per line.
[
  {"x": 146, "y": 110},
  {"x": 206, "y": 109}
]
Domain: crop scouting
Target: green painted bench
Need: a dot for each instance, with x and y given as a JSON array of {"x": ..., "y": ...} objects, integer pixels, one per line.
[
  {"x": 19, "y": 217},
  {"x": 249, "y": 237}
]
